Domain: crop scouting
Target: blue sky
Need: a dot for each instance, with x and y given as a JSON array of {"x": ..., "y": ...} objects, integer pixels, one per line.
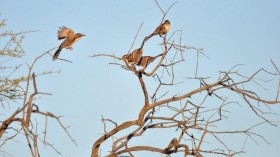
[{"x": 230, "y": 32}]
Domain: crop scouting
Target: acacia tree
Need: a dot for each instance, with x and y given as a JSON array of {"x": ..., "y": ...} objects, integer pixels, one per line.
[
  {"x": 21, "y": 91},
  {"x": 195, "y": 114},
  {"x": 191, "y": 117}
]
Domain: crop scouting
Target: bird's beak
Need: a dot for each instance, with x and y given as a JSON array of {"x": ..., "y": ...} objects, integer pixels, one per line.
[{"x": 83, "y": 35}]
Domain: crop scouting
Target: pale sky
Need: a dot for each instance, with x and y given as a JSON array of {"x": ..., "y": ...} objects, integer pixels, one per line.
[{"x": 230, "y": 32}]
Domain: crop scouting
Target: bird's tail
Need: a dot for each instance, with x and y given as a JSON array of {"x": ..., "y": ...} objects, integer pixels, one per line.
[
  {"x": 57, "y": 52},
  {"x": 158, "y": 55},
  {"x": 147, "y": 38}
]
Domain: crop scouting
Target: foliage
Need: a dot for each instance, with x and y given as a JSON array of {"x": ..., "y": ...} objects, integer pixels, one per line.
[{"x": 18, "y": 90}]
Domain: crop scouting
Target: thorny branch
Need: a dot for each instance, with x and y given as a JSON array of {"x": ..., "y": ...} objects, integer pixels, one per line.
[
  {"x": 27, "y": 110},
  {"x": 192, "y": 122}
]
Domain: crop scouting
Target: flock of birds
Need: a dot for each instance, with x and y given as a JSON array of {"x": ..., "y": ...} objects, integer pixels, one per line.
[{"x": 133, "y": 58}]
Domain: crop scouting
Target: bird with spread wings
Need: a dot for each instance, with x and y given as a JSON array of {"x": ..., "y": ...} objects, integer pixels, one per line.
[{"x": 70, "y": 39}]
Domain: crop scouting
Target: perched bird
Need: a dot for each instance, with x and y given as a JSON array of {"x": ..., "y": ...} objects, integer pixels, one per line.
[
  {"x": 173, "y": 144},
  {"x": 133, "y": 57},
  {"x": 162, "y": 29},
  {"x": 146, "y": 60},
  {"x": 70, "y": 39}
]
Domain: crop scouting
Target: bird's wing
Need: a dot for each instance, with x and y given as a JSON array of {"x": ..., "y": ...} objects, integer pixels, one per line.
[
  {"x": 157, "y": 30},
  {"x": 137, "y": 54},
  {"x": 162, "y": 28},
  {"x": 64, "y": 32}
]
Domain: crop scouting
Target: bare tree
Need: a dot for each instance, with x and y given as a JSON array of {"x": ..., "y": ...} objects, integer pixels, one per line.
[
  {"x": 195, "y": 114},
  {"x": 193, "y": 117},
  {"x": 21, "y": 91}
]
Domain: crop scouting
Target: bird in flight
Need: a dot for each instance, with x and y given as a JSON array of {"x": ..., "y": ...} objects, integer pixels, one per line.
[{"x": 70, "y": 39}]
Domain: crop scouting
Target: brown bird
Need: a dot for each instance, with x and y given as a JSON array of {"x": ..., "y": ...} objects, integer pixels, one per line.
[
  {"x": 71, "y": 38},
  {"x": 133, "y": 57},
  {"x": 146, "y": 60},
  {"x": 173, "y": 143},
  {"x": 163, "y": 28}
]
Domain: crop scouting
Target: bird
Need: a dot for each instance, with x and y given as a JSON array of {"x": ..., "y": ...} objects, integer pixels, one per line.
[
  {"x": 173, "y": 143},
  {"x": 133, "y": 57},
  {"x": 70, "y": 39},
  {"x": 146, "y": 60},
  {"x": 162, "y": 29}
]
